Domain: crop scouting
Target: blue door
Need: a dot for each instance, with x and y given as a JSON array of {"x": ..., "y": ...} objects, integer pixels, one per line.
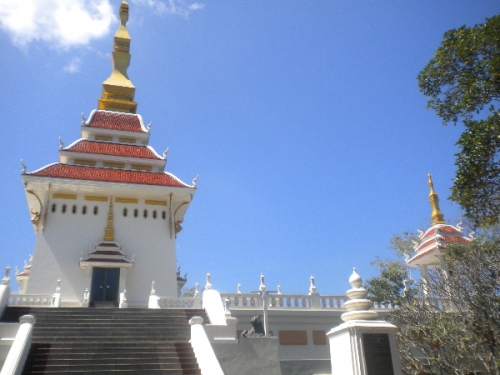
[{"x": 104, "y": 288}]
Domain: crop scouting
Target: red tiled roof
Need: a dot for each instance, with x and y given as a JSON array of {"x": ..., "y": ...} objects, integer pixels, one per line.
[
  {"x": 77, "y": 172},
  {"x": 104, "y": 260},
  {"x": 454, "y": 239},
  {"x": 116, "y": 121},
  {"x": 107, "y": 252},
  {"x": 426, "y": 243},
  {"x": 115, "y": 149},
  {"x": 443, "y": 238},
  {"x": 430, "y": 232},
  {"x": 449, "y": 229}
]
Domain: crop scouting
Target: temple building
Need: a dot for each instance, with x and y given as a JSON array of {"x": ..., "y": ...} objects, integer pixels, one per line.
[
  {"x": 431, "y": 250},
  {"x": 107, "y": 213},
  {"x": 106, "y": 218}
]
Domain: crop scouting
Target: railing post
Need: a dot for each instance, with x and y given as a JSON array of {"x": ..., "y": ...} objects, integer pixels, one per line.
[
  {"x": 315, "y": 302},
  {"x": 153, "y": 302},
  {"x": 197, "y": 298},
  {"x": 56, "y": 297}
]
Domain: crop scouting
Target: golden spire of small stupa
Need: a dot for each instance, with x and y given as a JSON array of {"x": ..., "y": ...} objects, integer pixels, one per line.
[
  {"x": 437, "y": 216},
  {"x": 109, "y": 231},
  {"x": 117, "y": 91}
]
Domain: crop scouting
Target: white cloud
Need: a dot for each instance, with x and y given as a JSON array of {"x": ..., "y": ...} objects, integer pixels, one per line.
[
  {"x": 73, "y": 66},
  {"x": 177, "y": 7},
  {"x": 64, "y": 23}
]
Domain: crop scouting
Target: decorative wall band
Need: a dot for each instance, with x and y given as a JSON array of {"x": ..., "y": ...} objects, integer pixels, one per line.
[
  {"x": 96, "y": 198},
  {"x": 126, "y": 140},
  {"x": 84, "y": 162},
  {"x": 63, "y": 196},
  {"x": 126, "y": 200},
  {"x": 156, "y": 203},
  {"x": 103, "y": 138},
  {"x": 142, "y": 167},
  {"x": 113, "y": 165},
  {"x": 293, "y": 337}
]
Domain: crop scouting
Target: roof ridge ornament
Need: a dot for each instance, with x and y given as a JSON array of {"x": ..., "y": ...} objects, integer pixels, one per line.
[
  {"x": 118, "y": 91},
  {"x": 436, "y": 215}
]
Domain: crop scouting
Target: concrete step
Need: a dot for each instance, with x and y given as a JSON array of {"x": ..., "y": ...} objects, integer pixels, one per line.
[{"x": 109, "y": 341}]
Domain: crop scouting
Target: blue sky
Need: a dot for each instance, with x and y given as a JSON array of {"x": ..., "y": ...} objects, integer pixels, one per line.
[{"x": 303, "y": 120}]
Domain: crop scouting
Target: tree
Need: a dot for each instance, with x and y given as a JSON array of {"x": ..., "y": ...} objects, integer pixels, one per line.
[
  {"x": 462, "y": 82},
  {"x": 388, "y": 288},
  {"x": 455, "y": 329}
]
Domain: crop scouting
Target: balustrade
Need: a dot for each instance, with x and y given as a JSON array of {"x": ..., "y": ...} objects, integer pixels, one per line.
[
  {"x": 176, "y": 303},
  {"x": 30, "y": 300},
  {"x": 282, "y": 301}
]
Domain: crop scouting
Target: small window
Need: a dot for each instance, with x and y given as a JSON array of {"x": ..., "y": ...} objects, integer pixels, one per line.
[
  {"x": 145, "y": 214},
  {"x": 154, "y": 214},
  {"x": 63, "y": 209},
  {"x": 125, "y": 212},
  {"x": 163, "y": 215},
  {"x": 54, "y": 207},
  {"x": 96, "y": 210},
  {"x": 73, "y": 209},
  {"x": 84, "y": 210},
  {"x": 136, "y": 212}
]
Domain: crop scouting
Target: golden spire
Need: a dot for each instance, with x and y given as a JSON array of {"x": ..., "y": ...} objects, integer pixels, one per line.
[
  {"x": 437, "y": 216},
  {"x": 117, "y": 91},
  {"x": 109, "y": 232}
]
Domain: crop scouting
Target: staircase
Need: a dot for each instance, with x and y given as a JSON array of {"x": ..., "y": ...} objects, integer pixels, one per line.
[{"x": 107, "y": 341}]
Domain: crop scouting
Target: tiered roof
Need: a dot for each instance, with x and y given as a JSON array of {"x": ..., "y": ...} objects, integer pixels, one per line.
[
  {"x": 114, "y": 141},
  {"x": 114, "y": 149},
  {"x": 117, "y": 121},
  {"x": 435, "y": 240}
]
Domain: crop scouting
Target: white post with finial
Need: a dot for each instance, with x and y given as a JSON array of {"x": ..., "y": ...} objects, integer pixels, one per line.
[
  {"x": 315, "y": 299},
  {"x": 208, "y": 284},
  {"x": 263, "y": 298},
  {"x": 363, "y": 342},
  {"x": 86, "y": 298},
  {"x": 56, "y": 297},
  {"x": 123, "y": 300},
  {"x": 153, "y": 302},
  {"x": 5, "y": 290},
  {"x": 197, "y": 297}
]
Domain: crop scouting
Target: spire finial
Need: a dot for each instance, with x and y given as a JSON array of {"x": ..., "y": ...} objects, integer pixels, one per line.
[
  {"x": 109, "y": 232},
  {"x": 118, "y": 91},
  {"x": 436, "y": 215}
]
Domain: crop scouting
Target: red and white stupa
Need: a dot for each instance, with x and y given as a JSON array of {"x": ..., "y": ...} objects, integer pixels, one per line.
[
  {"x": 431, "y": 250},
  {"x": 106, "y": 215}
]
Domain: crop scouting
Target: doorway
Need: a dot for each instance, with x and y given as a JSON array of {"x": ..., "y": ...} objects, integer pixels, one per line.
[{"x": 104, "y": 287}]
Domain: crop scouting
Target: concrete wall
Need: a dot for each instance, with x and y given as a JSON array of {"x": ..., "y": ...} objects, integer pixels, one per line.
[{"x": 295, "y": 320}]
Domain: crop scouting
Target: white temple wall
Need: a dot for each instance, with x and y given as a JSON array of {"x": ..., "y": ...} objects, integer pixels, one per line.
[
  {"x": 155, "y": 260},
  {"x": 67, "y": 237}
]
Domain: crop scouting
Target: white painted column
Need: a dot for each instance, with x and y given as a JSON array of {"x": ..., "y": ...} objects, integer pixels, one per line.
[{"x": 18, "y": 352}]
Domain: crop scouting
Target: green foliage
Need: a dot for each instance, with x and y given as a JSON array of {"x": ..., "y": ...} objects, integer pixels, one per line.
[
  {"x": 455, "y": 327},
  {"x": 462, "y": 83},
  {"x": 388, "y": 287}
]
